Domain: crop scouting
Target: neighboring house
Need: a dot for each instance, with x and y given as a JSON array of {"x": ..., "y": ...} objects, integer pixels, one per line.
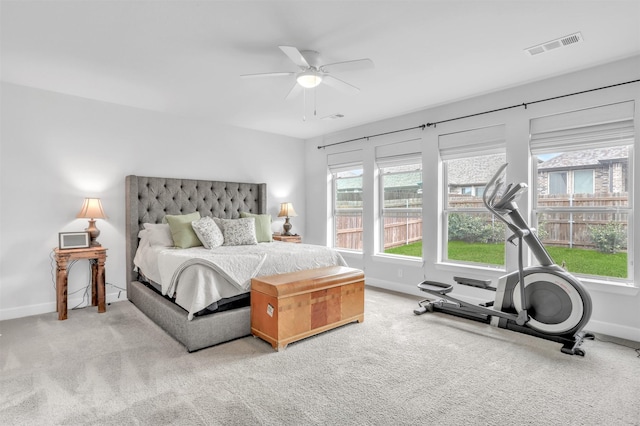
[
  {"x": 470, "y": 175},
  {"x": 594, "y": 171}
]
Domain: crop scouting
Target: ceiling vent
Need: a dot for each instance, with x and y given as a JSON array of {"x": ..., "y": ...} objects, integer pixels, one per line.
[
  {"x": 555, "y": 44},
  {"x": 332, "y": 117}
]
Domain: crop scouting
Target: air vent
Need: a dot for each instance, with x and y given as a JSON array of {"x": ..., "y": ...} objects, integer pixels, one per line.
[
  {"x": 333, "y": 117},
  {"x": 554, "y": 44}
]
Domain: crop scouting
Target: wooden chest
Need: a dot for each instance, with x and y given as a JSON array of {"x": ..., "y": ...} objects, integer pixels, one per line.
[{"x": 289, "y": 307}]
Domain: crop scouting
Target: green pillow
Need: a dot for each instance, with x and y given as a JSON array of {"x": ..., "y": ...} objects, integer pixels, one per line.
[
  {"x": 263, "y": 226},
  {"x": 182, "y": 231}
]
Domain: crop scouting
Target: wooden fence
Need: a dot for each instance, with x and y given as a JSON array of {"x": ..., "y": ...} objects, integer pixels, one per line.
[{"x": 555, "y": 228}]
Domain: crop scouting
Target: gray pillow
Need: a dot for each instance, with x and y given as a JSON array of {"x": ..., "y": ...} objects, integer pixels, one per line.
[
  {"x": 239, "y": 232},
  {"x": 208, "y": 232}
]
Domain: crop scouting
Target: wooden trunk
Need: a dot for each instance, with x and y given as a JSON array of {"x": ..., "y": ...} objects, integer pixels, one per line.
[{"x": 289, "y": 307}]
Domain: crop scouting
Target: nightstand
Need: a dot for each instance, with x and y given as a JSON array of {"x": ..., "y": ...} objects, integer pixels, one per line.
[
  {"x": 97, "y": 256},
  {"x": 288, "y": 238}
]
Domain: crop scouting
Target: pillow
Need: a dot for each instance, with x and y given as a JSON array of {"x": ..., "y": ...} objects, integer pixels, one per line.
[
  {"x": 181, "y": 230},
  {"x": 239, "y": 232},
  {"x": 263, "y": 226},
  {"x": 208, "y": 232},
  {"x": 158, "y": 234}
]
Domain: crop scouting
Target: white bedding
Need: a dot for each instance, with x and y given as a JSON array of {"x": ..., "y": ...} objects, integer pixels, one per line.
[{"x": 198, "y": 277}]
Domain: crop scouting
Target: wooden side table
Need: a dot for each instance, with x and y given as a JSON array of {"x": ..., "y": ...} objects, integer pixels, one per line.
[
  {"x": 97, "y": 256},
  {"x": 288, "y": 238}
]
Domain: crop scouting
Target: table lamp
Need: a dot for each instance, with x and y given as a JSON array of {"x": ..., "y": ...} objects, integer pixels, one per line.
[
  {"x": 92, "y": 210},
  {"x": 287, "y": 211}
]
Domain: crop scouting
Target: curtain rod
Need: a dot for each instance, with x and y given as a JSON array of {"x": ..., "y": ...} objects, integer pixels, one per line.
[{"x": 524, "y": 104}]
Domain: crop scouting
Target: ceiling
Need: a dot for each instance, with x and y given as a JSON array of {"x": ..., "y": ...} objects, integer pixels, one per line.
[{"x": 185, "y": 57}]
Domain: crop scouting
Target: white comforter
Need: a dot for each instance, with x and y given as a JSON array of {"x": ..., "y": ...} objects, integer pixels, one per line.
[{"x": 198, "y": 277}]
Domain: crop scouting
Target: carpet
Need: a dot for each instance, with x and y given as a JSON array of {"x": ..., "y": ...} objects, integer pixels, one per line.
[{"x": 395, "y": 368}]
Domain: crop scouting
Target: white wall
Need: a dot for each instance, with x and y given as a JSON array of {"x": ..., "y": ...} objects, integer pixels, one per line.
[
  {"x": 58, "y": 149},
  {"x": 616, "y": 307}
]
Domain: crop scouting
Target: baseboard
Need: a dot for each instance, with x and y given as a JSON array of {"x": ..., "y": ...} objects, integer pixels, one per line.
[
  {"x": 614, "y": 330},
  {"x": 45, "y": 308},
  {"x": 411, "y": 289}
]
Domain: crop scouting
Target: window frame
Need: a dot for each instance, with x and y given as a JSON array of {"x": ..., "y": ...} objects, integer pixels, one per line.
[
  {"x": 447, "y": 211},
  {"x": 385, "y": 163},
  {"x": 604, "y": 126},
  {"x": 335, "y": 211}
]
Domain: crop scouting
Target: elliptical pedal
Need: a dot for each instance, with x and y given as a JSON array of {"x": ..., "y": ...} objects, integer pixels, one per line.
[{"x": 435, "y": 287}]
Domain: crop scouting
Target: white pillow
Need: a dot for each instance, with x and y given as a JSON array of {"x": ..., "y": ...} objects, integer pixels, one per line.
[
  {"x": 239, "y": 232},
  {"x": 208, "y": 232},
  {"x": 159, "y": 234}
]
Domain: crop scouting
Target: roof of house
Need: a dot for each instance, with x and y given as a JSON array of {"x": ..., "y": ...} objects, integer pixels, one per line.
[
  {"x": 585, "y": 158},
  {"x": 475, "y": 170}
]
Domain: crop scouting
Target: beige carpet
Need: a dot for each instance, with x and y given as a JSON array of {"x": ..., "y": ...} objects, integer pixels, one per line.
[{"x": 118, "y": 368}]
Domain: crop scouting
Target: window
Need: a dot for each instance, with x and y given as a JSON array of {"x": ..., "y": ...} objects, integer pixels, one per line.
[
  {"x": 347, "y": 213},
  {"x": 471, "y": 235},
  {"x": 583, "y": 196},
  {"x": 401, "y": 188},
  {"x": 571, "y": 181},
  {"x": 346, "y": 199},
  {"x": 558, "y": 183},
  {"x": 400, "y": 183},
  {"x": 583, "y": 181}
]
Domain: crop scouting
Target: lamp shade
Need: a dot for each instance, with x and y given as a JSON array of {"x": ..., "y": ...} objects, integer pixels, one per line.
[
  {"x": 92, "y": 209},
  {"x": 286, "y": 210},
  {"x": 309, "y": 79}
]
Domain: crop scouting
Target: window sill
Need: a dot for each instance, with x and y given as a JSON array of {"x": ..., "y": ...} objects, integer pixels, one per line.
[
  {"x": 350, "y": 253},
  {"x": 610, "y": 287},
  {"x": 456, "y": 267},
  {"x": 398, "y": 260},
  {"x": 591, "y": 284}
]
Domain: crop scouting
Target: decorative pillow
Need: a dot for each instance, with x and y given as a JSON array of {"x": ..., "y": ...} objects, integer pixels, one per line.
[
  {"x": 208, "y": 232},
  {"x": 239, "y": 232},
  {"x": 181, "y": 230},
  {"x": 263, "y": 226},
  {"x": 158, "y": 234}
]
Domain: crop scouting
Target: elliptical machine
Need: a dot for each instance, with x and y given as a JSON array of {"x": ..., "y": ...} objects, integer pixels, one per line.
[{"x": 552, "y": 304}]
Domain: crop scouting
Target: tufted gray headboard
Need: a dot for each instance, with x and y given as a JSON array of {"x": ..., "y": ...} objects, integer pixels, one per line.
[{"x": 149, "y": 199}]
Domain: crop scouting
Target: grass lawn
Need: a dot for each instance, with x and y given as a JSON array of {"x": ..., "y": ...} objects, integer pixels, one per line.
[{"x": 589, "y": 262}]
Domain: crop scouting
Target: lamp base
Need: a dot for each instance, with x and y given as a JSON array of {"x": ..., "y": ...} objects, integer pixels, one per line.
[
  {"x": 287, "y": 228},
  {"x": 94, "y": 233}
]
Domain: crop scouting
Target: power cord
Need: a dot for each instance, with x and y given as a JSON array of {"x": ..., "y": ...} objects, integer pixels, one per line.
[
  {"x": 69, "y": 266},
  {"x": 120, "y": 289}
]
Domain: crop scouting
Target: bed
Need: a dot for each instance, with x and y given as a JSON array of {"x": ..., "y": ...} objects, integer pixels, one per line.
[{"x": 148, "y": 201}]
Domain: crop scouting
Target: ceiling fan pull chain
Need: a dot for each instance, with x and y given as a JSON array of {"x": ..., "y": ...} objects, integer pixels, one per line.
[
  {"x": 304, "y": 104},
  {"x": 315, "y": 102}
]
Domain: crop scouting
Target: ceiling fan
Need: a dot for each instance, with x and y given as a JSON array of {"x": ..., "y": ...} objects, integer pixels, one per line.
[{"x": 311, "y": 73}]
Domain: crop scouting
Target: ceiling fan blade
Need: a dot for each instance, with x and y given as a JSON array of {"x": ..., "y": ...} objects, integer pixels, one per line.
[
  {"x": 295, "y": 91},
  {"x": 339, "y": 84},
  {"x": 294, "y": 54},
  {"x": 267, "y": 74},
  {"x": 356, "y": 64}
]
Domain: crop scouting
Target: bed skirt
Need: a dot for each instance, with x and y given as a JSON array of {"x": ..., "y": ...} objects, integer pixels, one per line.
[{"x": 199, "y": 333}]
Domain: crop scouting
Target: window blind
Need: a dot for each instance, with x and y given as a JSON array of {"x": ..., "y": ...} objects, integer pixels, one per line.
[
  {"x": 591, "y": 128},
  {"x": 397, "y": 154},
  {"x": 487, "y": 140},
  {"x": 344, "y": 161}
]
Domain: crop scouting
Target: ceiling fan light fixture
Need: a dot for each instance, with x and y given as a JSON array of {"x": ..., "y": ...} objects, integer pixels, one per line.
[{"x": 309, "y": 79}]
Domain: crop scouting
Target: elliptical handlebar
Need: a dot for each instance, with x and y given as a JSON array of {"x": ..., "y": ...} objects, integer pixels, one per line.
[
  {"x": 503, "y": 206},
  {"x": 492, "y": 191}
]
